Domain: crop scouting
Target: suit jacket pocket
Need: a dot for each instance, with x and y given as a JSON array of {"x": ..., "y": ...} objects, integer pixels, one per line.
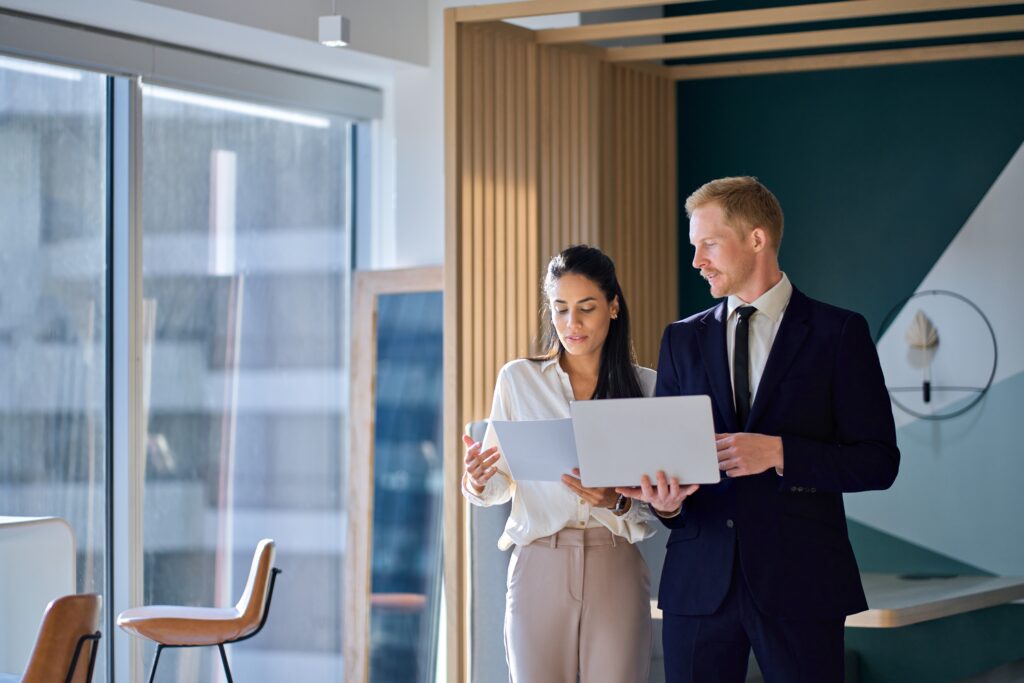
[
  {"x": 684, "y": 533},
  {"x": 816, "y": 507}
]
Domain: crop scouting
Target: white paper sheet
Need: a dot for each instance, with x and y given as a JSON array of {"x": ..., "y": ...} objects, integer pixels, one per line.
[{"x": 537, "y": 450}]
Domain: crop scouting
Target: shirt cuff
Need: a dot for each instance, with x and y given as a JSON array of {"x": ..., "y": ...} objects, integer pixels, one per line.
[
  {"x": 492, "y": 493},
  {"x": 470, "y": 492},
  {"x": 669, "y": 515},
  {"x": 638, "y": 513}
]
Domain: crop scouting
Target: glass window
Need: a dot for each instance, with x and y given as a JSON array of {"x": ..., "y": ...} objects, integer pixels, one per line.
[
  {"x": 246, "y": 270},
  {"x": 408, "y": 482},
  {"x": 53, "y": 310}
]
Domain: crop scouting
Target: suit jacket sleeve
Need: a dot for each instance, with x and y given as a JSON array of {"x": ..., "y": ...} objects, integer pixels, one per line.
[
  {"x": 668, "y": 385},
  {"x": 863, "y": 455}
]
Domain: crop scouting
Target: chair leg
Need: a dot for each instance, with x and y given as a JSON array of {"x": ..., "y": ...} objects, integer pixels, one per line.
[
  {"x": 156, "y": 660},
  {"x": 224, "y": 660}
]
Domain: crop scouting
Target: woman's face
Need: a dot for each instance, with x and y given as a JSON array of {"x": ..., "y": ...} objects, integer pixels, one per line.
[{"x": 581, "y": 314}]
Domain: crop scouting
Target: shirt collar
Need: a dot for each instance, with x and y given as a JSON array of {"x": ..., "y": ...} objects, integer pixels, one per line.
[
  {"x": 772, "y": 303},
  {"x": 548, "y": 363}
]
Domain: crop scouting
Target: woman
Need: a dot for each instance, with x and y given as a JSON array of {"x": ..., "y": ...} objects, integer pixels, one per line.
[{"x": 578, "y": 590}]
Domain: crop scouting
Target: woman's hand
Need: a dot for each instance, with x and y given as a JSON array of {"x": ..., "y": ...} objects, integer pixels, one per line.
[
  {"x": 596, "y": 497},
  {"x": 667, "y": 497},
  {"x": 480, "y": 467}
]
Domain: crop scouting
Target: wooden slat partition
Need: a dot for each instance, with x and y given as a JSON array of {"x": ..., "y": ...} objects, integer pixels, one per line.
[
  {"x": 546, "y": 146},
  {"x": 637, "y": 225},
  {"x": 492, "y": 254}
]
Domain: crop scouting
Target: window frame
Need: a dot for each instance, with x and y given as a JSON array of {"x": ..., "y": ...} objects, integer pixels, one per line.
[{"x": 368, "y": 287}]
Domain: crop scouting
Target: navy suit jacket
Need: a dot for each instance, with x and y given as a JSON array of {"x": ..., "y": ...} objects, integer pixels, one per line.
[{"x": 823, "y": 392}]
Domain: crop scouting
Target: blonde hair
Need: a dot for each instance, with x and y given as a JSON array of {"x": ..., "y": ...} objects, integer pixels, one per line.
[{"x": 746, "y": 203}]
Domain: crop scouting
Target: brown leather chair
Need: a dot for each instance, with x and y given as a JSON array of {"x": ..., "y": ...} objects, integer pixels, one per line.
[
  {"x": 170, "y": 626},
  {"x": 68, "y": 624}
]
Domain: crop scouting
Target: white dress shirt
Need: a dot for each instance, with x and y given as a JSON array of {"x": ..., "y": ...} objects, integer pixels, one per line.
[
  {"x": 764, "y": 325},
  {"x": 540, "y": 390}
]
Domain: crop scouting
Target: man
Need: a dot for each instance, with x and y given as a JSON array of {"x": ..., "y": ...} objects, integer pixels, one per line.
[{"x": 762, "y": 559}]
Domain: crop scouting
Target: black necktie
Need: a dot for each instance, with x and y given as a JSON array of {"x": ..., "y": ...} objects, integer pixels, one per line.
[{"x": 741, "y": 365}]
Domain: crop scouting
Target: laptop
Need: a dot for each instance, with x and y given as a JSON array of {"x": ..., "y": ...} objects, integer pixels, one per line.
[{"x": 619, "y": 440}]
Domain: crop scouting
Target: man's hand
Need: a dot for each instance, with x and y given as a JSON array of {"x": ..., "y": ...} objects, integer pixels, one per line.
[
  {"x": 595, "y": 497},
  {"x": 743, "y": 454},
  {"x": 667, "y": 496}
]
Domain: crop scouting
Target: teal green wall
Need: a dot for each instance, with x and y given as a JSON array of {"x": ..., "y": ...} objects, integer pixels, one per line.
[
  {"x": 883, "y": 553},
  {"x": 877, "y": 170}
]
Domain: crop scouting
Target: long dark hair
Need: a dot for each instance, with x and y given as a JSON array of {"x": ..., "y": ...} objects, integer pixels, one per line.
[{"x": 617, "y": 376}]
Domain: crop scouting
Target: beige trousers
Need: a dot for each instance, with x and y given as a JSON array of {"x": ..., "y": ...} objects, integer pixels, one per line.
[{"x": 578, "y": 601}]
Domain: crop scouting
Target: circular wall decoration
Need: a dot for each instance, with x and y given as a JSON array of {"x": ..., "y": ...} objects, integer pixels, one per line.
[{"x": 940, "y": 354}]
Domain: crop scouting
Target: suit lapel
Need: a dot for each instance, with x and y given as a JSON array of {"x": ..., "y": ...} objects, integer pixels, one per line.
[
  {"x": 711, "y": 338},
  {"x": 788, "y": 341}
]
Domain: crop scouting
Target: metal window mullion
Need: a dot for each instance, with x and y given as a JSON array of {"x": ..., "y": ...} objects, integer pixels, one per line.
[{"x": 128, "y": 467}]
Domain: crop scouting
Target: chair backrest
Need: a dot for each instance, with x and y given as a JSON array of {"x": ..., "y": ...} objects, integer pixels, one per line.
[
  {"x": 65, "y": 622},
  {"x": 254, "y": 599},
  {"x": 488, "y": 567}
]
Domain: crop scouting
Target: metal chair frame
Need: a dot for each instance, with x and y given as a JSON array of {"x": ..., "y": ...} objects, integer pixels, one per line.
[
  {"x": 95, "y": 638},
  {"x": 223, "y": 655}
]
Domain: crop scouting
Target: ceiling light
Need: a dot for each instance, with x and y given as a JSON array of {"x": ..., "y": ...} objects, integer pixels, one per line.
[{"x": 333, "y": 30}]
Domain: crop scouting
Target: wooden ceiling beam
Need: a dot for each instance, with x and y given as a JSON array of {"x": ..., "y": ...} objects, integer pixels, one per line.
[
  {"x": 954, "y": 28},
  {"x": 538, "y": 8},
  {"x": 775, "y": 16},
  {"x": 849, "y": 60}
]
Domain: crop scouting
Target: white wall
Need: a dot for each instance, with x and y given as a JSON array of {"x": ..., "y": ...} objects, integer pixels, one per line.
[
  {"x": 960, "y": 480},
  {"x": 387, "y": 28}
]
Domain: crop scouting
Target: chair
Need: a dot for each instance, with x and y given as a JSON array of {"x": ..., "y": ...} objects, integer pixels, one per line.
[
  {"x": 170, "y": 626},
  {"x": 68, "y": 624},
  {"x": 489, "y": 567}
]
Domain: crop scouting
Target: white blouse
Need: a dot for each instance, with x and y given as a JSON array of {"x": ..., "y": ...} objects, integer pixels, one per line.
[{"x": 540, "y": 390}]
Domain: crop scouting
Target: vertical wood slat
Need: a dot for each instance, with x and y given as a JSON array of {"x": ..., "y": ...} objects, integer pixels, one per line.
[
  {"x": 583, "y": 120},
  {"x": 508, "y": 307},
  {"x": 645, "y": 106},
  {"x": 499, "y": 183},
  {"x": 574, "y": 125},
  {"x": 569, "y": 227},
  {"x": 669, "y": 190},
  {"x": 486, "y": 264},
  {"x": 532, "y": 226},
  {"x": 480, "y": 217},
  {"x": 523, "y": 157},
  {"x": 545, "y": 179}
]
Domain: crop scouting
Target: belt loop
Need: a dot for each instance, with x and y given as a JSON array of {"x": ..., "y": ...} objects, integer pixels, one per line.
[
  {"x": 554, "y": 540},
  {"x": 614, "y": 540}
]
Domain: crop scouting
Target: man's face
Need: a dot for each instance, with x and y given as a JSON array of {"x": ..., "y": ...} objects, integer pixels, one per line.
[{"x": 724, "y": 257}]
